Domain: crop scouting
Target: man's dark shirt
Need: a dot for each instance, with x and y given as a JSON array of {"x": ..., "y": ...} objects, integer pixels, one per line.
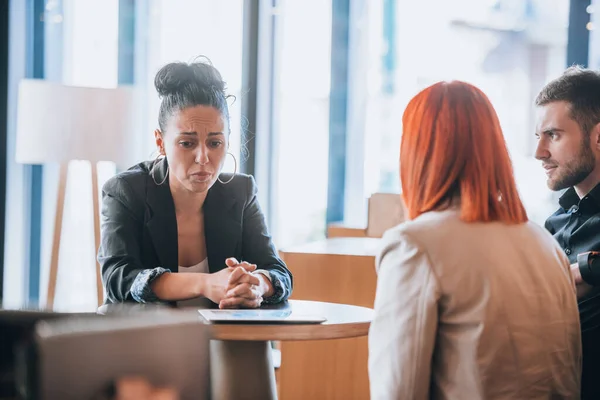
[{"x": 576, "y": 227}]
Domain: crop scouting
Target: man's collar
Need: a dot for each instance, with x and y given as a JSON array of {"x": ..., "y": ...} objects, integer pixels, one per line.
[
  {"x": 570, "y": 197},
  {"x": 595, "y": 194}
]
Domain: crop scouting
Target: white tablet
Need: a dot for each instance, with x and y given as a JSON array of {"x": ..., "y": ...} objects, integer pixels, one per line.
[{"x": 259, "y": 316}]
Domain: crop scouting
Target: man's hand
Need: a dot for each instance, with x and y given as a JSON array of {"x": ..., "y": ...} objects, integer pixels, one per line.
[
  {"x": 581, "y": 287},
  {"x": 576, "y": 274}
]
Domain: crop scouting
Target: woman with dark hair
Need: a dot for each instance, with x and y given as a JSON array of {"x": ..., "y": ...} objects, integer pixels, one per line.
[
  {"x": 176, "y": 229},
  {"x": 473, "y": 301}
]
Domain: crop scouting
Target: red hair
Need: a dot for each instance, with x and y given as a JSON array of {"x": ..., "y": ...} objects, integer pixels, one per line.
[{"x": 453, "y": 147}]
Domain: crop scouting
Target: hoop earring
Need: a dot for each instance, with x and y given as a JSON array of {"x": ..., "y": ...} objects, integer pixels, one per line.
[
  {"x": 152, "y": 172},
  {"x": 234, "y": 170}
]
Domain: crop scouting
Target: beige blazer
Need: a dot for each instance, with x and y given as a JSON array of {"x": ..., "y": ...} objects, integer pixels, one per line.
[{"x": 473, "y": 311}]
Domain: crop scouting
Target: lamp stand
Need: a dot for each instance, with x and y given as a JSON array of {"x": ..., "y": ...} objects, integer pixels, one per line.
[{"x": 58, "y": 221}]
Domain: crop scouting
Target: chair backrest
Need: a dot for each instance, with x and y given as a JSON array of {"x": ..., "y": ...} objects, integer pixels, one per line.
[
  {"x": 386, "y": 210},
  {"x": 17, "y": 355},
  {"x": 81, "y": 358}
]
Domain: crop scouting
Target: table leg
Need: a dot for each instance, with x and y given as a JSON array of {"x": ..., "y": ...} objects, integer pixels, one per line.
[{"x": 242, "y": 370}]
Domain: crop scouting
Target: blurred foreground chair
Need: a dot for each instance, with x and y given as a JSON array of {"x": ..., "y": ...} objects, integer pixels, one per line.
[
  {"x": 83, "y": 358},
  {"x": 17, "y": 358}
]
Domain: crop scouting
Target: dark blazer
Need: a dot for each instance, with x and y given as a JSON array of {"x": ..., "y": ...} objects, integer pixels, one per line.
[{"x": 139, "y": 229}]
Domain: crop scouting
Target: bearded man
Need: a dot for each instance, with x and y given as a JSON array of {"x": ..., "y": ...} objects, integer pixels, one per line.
[{"x": 568, "y": 132}]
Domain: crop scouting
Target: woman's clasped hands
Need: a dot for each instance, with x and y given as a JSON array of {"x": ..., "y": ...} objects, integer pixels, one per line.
[{"x": 237, "y": 286}]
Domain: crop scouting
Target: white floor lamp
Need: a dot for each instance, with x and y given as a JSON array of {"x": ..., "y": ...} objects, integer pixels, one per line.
[{"x": 57, "y": 124}]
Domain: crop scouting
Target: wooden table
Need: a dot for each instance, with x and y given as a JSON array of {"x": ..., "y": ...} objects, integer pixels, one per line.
[
  {"x": 241, "y": 363},
  {"x": 337, "y": 270}
]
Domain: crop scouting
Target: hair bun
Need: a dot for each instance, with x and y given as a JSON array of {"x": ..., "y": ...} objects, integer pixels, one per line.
[
  {"x": 175, "y": 77},
  {"x": 172, "y": 78}
]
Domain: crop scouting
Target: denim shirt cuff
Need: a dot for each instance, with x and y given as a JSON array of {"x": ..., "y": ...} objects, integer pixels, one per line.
[
  {"x": 140, "y": 289},
  {"x": 279, "y": 290}
]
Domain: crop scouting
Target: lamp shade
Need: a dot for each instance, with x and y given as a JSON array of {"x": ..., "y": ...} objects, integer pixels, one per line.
[{"x": 60, "y": 123}]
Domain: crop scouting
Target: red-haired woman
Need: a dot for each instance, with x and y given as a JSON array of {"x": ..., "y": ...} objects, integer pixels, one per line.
[{"x": 473, "y": 301}]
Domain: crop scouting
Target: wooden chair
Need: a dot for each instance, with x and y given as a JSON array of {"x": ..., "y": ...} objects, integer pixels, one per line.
[{"x": 385, "y": 210}]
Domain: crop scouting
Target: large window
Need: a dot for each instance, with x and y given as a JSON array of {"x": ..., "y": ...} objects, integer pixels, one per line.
[
  {"x": 301, "y": 119},
  {"x": 508, "y": 48},
  {"x": 388, "y": 49},
  {"x": 82, "y": 48}
]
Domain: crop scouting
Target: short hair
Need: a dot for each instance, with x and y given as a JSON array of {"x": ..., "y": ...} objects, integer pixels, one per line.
[
  {"x": 580, "y": 87},
  {"x": 181, "y": 85},
  {"x": 453, "y": 147}
]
